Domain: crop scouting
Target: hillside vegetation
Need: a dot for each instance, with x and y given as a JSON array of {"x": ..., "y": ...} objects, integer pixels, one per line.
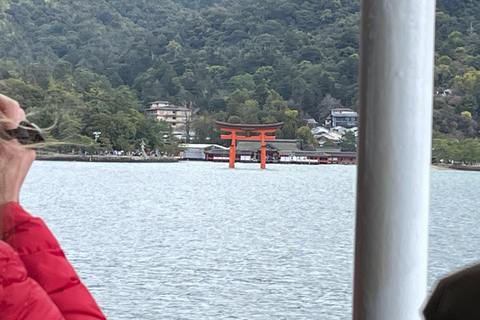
[{"x": 95, "y": 65}]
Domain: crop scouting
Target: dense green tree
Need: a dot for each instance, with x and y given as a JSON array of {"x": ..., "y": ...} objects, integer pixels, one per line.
[
  {"x": 348, "y": 142},
  {"x": 290, "y": 126},
  {"x": 206, "y": 130},
  {"x": 307, "y": 140},
  {"x": 155, "y": 134},
  {"x": 75, "y": 62},
  {"x": 26, "y": 94}
]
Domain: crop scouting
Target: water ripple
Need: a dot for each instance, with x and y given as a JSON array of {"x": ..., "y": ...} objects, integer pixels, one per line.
[{"x": 197, "y": 240}]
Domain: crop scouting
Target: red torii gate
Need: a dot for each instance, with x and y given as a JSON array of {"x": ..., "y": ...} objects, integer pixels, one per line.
[{"x": 243, "y": 131}]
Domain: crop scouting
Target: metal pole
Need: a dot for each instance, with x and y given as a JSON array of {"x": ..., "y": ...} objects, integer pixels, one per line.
[{"x": 396, "y": 92}]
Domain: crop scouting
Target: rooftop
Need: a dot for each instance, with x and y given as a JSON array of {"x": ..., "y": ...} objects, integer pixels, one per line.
[
  {"x": 168, "y": 107},
  {"x": 342, "y": 153},
  {"x": 319, "y": 130},
  {"x": 159, "y": 102},
  {"x": 201, "y": 146},
  {"x": 345, "y": 114}
]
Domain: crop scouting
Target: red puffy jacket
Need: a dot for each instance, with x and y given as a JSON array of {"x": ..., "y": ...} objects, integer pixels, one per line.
[{"x": 36, "y": 280}]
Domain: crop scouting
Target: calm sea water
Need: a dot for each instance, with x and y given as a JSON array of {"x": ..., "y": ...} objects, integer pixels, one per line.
[{"x": 197, "y": 240}]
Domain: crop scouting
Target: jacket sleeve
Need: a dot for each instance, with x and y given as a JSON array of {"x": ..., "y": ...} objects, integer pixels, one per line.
[
  {"x": 46, "y": 263},
  {"x": 20, "y": 296}
]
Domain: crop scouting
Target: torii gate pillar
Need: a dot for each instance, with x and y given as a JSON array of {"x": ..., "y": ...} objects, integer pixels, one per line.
[
  {"x": 231, "y": 162},
  {"x": 263, "y": 153}
]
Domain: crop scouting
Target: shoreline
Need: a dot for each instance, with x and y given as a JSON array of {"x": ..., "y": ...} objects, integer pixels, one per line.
[
  {"x": 456, "y": 167},
  {"x": 440, "y": 167},
  {"x": 97, "y": 158},
  {"x": 140, "y": 159}
]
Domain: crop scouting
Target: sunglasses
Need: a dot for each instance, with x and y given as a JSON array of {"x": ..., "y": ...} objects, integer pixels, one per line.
[{"x": 26, "y": 133}]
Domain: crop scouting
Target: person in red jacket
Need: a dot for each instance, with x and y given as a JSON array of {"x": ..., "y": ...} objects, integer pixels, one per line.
[{"x": 36, "y": 280}]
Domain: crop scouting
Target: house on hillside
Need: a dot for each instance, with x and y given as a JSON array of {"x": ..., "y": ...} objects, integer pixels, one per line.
[
  {"x": 311, "y": 123},
  {"x": 318, "y": 130},
  {"x": 342, "y": 117},
  {"x": 176, "y": 116},
  {"x": 329, "y": 138},
  {"x": 443, "y": 93}
]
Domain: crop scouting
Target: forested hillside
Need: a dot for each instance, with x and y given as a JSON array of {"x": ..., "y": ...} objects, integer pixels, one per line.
[{"x": 96, "y": 64}]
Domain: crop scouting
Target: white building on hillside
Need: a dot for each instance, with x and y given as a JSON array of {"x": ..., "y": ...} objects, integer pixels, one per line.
[
  {"x": 176, "y": 116},
  {"x": 342, "y": 117}
]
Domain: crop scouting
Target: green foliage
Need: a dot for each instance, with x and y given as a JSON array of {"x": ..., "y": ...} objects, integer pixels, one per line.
[
  {"x": 467, "y": 150},
  {"x": 170, "y": 51},
  {"x": 97, "y": 64},
  {"x": 115, "y": 112},
  {"x": 307, "y": 140},
  {"x": 206, "y": 131},
  {"x": 27, "y": 95},
  {"x": 153, "y": 133},
  {"x": 467, "y": 114},
  {"x": 234, "y": 119},
  {"x": 348, "y": 142}
]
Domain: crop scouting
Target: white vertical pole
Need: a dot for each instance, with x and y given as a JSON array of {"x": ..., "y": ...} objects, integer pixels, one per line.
[{"x": 394, "y": 154}]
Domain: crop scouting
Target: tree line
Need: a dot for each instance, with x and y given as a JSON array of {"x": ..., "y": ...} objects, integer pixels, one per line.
[{"x": 238, "y": 61}]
